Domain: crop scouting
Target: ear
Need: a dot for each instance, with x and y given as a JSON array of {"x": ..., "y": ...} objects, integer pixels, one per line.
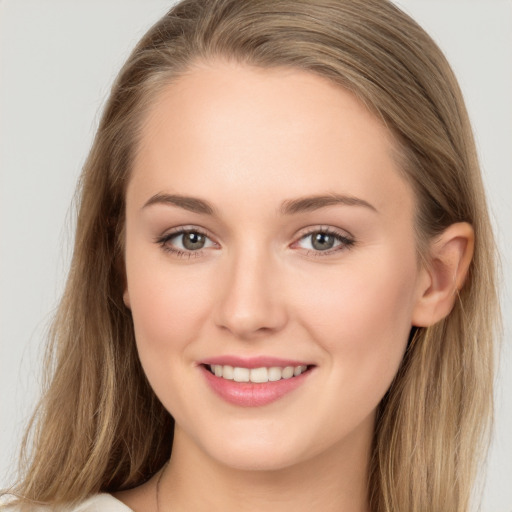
[
  {"x": 444, "y": 274},
  {"x": 121, "y": 272},
  {"x": 126, "y": 298}
]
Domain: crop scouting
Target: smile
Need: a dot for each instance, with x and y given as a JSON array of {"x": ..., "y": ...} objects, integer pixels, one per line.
[
  {"x": 256, "y": 375},
  {"x": 254, "y": 382}
]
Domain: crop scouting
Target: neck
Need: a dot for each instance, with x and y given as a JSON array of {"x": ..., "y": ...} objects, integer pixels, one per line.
[{"x": 332, "y": 481}]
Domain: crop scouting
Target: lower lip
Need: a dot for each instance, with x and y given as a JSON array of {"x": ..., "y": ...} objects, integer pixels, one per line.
[{"x": 249, "y": 394}]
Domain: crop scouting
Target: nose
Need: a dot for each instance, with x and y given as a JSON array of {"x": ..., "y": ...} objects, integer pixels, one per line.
[{"x": 251, "y": 302}]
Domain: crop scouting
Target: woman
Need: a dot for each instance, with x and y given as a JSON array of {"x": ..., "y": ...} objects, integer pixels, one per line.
[{"x": 283, "y": 260}]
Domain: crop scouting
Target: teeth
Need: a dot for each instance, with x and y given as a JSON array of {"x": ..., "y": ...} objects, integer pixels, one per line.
[
  {"x": 275, "y": 373},
  {"x": 256, "y": 375},
  {"x": 227, "y": 372},
  {"x": 241, "y": 374},
  {"x": 259, "y": 375},
  {"x": 298, "y": 370},
  {"x": 287, "y": 372}
]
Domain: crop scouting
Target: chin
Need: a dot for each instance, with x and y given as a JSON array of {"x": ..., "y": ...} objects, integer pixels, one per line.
[
  {"x": 247, "y": 459},
  {"x": 259, "y": 450}
]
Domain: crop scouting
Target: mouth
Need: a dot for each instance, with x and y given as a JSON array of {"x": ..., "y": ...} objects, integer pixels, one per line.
[
  {"x": 259, "y": 375},
  {"x": 251, "y": 383}
]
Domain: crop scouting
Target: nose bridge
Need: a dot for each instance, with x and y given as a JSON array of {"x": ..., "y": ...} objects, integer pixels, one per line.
[{"x": 250, "y": 301}]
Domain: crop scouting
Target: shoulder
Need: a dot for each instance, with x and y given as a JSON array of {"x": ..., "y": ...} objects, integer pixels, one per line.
[{"x": 98, "y": 503}]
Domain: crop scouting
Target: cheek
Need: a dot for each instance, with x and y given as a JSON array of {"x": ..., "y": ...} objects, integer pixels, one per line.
[
  {"x": 168, "y": 307},
  {"x": 362, "y": 319}
]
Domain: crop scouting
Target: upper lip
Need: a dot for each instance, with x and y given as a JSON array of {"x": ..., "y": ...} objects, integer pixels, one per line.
[{"x": 252, "y": 362}]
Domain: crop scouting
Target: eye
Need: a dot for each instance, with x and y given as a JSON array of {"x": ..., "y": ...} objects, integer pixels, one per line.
[
  {"x": 324, "y": 240},
  {"x": 185, "y": 242}
]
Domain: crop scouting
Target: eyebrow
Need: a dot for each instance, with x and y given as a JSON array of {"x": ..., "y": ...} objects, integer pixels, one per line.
[
  {"x": 311, "y": 203},
  {"x": 192, "y": 204},
  {"x": 288, "y": 207}
]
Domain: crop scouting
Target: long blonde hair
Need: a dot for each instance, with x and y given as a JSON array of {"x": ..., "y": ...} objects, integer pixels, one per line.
[{"x": 99, "y": 426}]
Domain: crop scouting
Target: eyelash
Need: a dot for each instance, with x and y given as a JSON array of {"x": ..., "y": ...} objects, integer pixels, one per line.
[
  {"x": 345, "y": 242},
  {"x": 163, "y": 242}
]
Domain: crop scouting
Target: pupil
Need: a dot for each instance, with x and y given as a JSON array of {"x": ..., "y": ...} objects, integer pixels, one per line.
[
  {"x": 193, "y": 241},
  {"x": 322, "y": 241}
]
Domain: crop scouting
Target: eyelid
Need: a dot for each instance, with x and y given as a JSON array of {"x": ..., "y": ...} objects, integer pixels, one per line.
[
  {"x": 324, "y": 228},
  {"x": 185, "y": 229}
]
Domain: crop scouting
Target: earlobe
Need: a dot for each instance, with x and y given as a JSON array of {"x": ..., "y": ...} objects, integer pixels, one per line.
[
  {"x": 126, "y": 298},
  {"x": 448, "y": 263}
]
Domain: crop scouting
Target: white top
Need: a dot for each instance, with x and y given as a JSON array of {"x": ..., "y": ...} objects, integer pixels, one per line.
[{"x": 98, "y": 503}]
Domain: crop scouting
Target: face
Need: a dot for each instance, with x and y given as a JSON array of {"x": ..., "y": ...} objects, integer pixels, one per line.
[{"x": 268, "y": 226}]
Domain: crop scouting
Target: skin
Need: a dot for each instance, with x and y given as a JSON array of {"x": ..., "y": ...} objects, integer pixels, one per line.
[{"x": 246, "y": 140}]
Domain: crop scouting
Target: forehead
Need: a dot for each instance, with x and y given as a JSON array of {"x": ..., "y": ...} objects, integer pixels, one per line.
[{"x": 228, "y": 129}]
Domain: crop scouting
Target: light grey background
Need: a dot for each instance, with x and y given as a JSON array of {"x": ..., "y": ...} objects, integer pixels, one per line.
[{"x": 57, "y": 61}]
